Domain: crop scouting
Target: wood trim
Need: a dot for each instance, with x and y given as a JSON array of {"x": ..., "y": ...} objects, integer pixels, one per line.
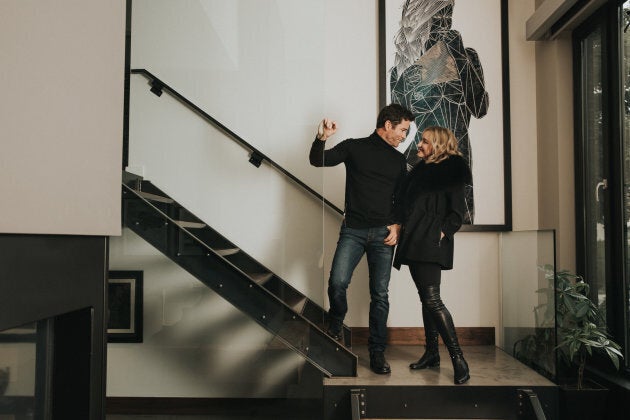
[{"x": 468, "y": 336}]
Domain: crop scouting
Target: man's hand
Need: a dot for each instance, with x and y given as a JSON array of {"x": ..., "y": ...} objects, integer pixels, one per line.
[
  {"x": 326, "y": 129},
  {"x": 392, "y": 238}
]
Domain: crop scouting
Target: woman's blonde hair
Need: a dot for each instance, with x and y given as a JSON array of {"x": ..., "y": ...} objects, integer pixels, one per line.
[{"x": 443, "y": 141}]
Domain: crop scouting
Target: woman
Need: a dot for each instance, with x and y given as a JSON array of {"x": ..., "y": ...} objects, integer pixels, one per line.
[
  {"x": 434, "y": 202},
  {"x": 438, "y": 78}
]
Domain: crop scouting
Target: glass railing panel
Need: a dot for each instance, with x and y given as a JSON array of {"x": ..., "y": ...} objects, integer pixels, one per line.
[
  {"x": 232, "y": 69},
  {"x": 201, "y": 311},
  {"x": 244, "y": 283},
  {"x": 528, "y": 299},
  {"x": 17, "y": 372},
  {"x": 268, "y": 82},
  {"x": 258, "y": 208}
]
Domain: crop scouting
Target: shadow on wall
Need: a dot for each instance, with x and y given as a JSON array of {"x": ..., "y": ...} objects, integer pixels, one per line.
[{"x": 196, "y": 344}]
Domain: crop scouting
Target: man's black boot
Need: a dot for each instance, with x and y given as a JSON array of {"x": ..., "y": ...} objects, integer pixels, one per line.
[
  {"x": 335, "y": 329},
  {"x": 378, "y": 364}
]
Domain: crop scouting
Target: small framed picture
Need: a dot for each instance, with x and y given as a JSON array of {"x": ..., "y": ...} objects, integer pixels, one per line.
[{"x": 124, "y": 307}]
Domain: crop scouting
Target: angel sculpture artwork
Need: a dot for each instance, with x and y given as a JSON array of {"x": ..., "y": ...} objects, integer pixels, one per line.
[{"x": 438, "y": 79}]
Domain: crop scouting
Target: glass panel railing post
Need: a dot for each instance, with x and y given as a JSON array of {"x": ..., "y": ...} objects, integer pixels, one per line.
[{"x": 528, "y": 332}]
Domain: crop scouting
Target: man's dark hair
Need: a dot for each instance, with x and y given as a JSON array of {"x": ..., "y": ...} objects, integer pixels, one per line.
[{"x": 395, "y": 113}]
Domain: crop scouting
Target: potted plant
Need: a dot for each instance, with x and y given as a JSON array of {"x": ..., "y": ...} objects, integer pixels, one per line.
[
  {"x": 580, "y": 324},
  {"x": 581, "y": 334}
]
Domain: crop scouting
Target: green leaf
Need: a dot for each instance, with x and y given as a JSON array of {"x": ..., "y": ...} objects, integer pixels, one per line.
[
  {"x": 581, "y": 309},
  {"x": 613, "y": 357}
]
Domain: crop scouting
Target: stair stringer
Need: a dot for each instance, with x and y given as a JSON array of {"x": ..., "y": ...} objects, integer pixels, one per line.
[{"x": 237, "y": 287}]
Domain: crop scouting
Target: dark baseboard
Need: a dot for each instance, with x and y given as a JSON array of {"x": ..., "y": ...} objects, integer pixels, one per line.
[
  {"x": 216, "y": 406},
  {"x": 468, "y": 336}
]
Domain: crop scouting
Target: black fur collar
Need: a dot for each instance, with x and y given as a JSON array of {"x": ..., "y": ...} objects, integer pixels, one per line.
[{"x": 450, "y": 173}]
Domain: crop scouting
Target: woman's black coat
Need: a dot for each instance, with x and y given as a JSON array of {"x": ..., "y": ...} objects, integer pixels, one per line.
[{"x": 434, "y": 202}]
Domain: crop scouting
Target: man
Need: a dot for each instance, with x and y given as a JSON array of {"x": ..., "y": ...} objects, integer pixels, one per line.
[{"x": 374, "y": 175}]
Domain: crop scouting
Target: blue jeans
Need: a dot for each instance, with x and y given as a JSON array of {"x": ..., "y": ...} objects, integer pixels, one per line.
[{"x": 352, "y": 244}]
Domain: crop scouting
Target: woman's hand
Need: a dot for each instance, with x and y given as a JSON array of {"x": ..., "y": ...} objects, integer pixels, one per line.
[{"x": 392, "y": 238}]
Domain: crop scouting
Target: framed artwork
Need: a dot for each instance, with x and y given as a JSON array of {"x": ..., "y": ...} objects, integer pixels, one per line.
[
  {"x": 447, "y": 62},
  {"x": 124, "y": 307}
]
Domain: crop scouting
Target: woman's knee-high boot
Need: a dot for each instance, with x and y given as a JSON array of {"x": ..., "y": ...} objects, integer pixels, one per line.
[
  {"x": 431, "y": 356},
  {"x": 444, "y": 323}
]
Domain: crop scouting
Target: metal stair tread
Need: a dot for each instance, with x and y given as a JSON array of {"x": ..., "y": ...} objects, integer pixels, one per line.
[
  {"x": 155, "y": 197},
  {"x": 299, "y": 306},
  {"x": 260, "y": 278},
  {"x": 190, "y": 225},
  {"x": 227, "y": 251}
]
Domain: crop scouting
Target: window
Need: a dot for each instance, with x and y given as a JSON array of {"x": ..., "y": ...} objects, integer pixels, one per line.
[{"x": 602, "y": 83}]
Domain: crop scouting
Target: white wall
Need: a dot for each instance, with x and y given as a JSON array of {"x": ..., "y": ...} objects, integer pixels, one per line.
[
  {"x": 294, "y": 73},
  {"x": 61, "y": 116},
  {"x": 269, "y": 71}
]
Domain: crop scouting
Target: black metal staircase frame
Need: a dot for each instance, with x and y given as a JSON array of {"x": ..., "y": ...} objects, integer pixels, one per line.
[
  {"x": 259, "y": 294},
  {"x": 440, "y": 402}
]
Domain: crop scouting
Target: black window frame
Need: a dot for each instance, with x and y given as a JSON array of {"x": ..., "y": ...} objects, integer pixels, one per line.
[{"x": 617, "y": 312}]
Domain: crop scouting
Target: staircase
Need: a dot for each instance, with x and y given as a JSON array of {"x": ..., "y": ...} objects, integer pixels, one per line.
[
  {"x": 499, "y": 387},
  {"x": 221, "y": 265}
]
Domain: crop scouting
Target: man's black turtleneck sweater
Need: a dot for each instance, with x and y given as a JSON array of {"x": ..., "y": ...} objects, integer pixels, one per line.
[{"x": 374, "y": 174}]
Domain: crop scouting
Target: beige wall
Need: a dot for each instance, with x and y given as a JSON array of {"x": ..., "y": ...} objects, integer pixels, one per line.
[
  {"x": 523, "y": 119},
  {"x": 556, "y": 204},
  {"x": 554, "y": 131},
  {"x": 61, "y": 116}
]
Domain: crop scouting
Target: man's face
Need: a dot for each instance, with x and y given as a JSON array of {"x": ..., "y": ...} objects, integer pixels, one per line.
[{"x": 395, "y": 134}]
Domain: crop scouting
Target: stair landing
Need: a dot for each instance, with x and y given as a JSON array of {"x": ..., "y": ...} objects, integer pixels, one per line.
[{"x": 493, "y": 391}]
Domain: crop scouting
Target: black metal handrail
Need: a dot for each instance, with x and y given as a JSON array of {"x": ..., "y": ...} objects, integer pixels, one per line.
[{"x": 256, "y": 156}]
